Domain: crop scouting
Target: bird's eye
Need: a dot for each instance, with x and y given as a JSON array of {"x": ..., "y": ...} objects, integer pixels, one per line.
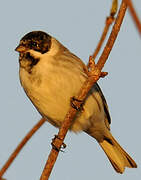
[{"x": 34, "y": 44}]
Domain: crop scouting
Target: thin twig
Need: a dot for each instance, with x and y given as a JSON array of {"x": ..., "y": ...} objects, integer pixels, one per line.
[
  {"x": 93, "y": 77},
  {"x": 109, "y": 20},
  {"x": 134, "y": 15},
  {"x": 113, "y": 35},
  {"x": 20, "y": 146}
]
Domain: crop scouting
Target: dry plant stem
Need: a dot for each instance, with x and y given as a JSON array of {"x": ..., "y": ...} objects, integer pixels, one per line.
[
  {"x": 134, "y": 15},
  {"x": 113, "y": 35},
  {"x": 20, "y": 146},
  {"x": 109, "y": 21},
  {"x": 93, "y": 77}
]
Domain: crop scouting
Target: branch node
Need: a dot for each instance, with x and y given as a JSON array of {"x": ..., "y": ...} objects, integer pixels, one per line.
[
  {"x": 114, "y": 8},
  {"x": 110, "y": 20},
  {"x": 91, "y": 64},
  {"x": 103, "y": 74},
  {"x": 94, "y": 72}
]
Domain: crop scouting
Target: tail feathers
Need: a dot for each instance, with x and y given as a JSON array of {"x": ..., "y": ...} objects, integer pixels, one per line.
[{"x": 116, "y": 154}]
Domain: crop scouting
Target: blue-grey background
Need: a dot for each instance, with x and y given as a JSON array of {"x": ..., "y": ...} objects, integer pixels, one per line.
[{"x": 78, "y": 25}]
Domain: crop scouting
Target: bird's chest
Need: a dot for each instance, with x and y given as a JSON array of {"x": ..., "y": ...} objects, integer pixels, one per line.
[{"x": 49, "y": 90}]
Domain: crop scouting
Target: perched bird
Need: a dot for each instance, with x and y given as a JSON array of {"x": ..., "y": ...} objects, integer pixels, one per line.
[{"x": 50, "y": 75}]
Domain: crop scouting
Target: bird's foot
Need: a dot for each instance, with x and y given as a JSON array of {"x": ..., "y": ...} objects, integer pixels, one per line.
[
  {"x": 78, "y": 107},
  {"x": 63, "y": 146}
]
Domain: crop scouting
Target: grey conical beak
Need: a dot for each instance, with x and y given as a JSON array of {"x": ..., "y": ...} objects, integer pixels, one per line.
[{"x": 21, "y": 48}]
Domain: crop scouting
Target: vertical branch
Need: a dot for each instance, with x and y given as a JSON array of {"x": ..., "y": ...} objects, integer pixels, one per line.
[{"x": 92, "y": 78}]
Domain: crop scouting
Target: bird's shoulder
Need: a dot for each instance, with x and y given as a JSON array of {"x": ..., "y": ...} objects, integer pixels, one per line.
[{"x": 67, "y": 55}]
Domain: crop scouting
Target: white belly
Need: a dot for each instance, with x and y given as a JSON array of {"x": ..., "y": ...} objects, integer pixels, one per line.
[{"x": 50, "y": 92}]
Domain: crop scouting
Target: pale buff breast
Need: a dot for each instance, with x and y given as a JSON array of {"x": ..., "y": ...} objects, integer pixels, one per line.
[{"x": 51, "y": 93}]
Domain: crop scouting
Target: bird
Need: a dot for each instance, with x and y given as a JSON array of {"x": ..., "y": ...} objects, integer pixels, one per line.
[{"x": 51, "y": 75}]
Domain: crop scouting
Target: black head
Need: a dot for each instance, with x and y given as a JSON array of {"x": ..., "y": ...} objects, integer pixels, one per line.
[{"x": 36, "y": 40}]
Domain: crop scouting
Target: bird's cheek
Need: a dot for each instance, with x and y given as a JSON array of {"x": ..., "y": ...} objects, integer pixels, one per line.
[{"x": 24, "y": 63}]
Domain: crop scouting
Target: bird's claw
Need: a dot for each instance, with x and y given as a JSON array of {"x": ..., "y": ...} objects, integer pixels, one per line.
[
  {"x": 63, "y": 146},
  {"x": 74, "y": 105}
]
